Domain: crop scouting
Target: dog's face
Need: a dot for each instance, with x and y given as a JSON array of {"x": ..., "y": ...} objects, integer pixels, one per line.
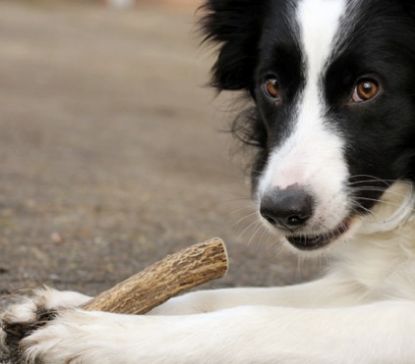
[{"x": 333, "y": 82}]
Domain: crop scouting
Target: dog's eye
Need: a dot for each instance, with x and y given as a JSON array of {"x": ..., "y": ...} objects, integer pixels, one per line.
[
  {"x": 272, "y": 89},
  {"x": 365, "y": 90}
]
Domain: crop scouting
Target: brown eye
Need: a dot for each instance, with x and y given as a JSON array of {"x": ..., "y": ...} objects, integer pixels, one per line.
[
  {"x": 272, "y": 89},
  {"x": 366, "y": 90}
]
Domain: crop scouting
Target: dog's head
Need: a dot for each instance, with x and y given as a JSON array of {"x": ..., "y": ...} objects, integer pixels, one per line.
[{"x": 333, "y": 84}]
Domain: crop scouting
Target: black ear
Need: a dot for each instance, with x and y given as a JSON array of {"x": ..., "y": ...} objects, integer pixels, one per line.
[
  {"x": 236, "y": 26},
  {"x": 409, "y": 6}
]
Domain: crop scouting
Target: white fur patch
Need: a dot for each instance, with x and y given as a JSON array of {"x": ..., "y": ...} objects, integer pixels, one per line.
[
  {"x": 312, "y": 156},
  {"x": 25, "y": 311},
  {"x": 3, "y": 346},
  {"x": 51, "y": 299}
]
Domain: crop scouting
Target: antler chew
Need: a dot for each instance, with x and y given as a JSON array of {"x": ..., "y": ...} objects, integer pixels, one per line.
[{"x": 167, "y": 278}]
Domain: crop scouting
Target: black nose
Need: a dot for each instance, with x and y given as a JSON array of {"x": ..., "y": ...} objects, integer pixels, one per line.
[{"x": 290, "y": 208}]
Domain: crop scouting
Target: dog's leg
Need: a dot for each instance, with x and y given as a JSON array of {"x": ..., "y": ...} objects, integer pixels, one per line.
[
  {"x": 330, "y": 291},
  {"x": 377, "y": 333}
]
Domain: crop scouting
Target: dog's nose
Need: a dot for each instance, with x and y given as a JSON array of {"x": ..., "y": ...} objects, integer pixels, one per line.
[{"x": 290, "y": 208}]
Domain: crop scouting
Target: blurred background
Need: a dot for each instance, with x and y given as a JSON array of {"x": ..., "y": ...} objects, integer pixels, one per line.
[{"x": 113, "y": 151}]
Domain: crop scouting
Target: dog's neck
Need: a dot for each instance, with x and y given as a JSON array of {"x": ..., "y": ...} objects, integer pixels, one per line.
[{"x": 381, "y": 249}]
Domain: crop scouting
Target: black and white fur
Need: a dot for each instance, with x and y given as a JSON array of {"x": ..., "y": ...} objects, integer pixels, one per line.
[{"x": 356, "y": 161}]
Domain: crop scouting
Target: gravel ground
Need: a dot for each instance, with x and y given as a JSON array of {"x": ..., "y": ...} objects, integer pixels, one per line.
[{"x": 113, "y": 151}]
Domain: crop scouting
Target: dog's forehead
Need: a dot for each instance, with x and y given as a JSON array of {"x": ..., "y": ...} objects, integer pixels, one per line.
[
  {"x": 324, "y": 28},
  {"x": 310, "y": 30},
  {"x": 320, "y": 26}
]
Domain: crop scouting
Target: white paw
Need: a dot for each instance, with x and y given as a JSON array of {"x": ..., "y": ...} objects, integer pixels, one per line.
[
  {"x": 30, "y": 313},
  {"x": 81, "y": 337},
  {"x": 64, "y": 340}
]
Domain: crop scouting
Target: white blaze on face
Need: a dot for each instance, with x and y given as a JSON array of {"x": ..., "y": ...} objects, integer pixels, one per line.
[{"x": 312, "y": 156}]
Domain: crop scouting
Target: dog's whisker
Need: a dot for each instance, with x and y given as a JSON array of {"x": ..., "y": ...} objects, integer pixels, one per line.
[
  {"x": 359, "y": 206},
  {"x": 374, "y": 178},
  {"x": 254, "y": 234},
  {"x": 376, "y": 189},
  {"x": 238, "y": 199},
  {"x": 255, "y": 228},
  {"x": 243, "y": 219},
  {"x": 388, "y": 203},
  {"x": 244, "y": 210},
  {"x": 251, "y": 225}
]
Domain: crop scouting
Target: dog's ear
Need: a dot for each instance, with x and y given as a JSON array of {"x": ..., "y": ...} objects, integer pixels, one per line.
[
  {"x": 409, "y": 6},
  {"x": 236, "y": 26}
]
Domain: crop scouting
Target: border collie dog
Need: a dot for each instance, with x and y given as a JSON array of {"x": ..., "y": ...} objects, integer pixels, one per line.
[{"x": 333, "y": 127}]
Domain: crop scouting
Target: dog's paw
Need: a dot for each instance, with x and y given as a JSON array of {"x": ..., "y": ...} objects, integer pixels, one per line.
[
  {"x": 31, "y": 313},
  {"x": 79, "y": 337},
  {"x": 60, "y": 341}
]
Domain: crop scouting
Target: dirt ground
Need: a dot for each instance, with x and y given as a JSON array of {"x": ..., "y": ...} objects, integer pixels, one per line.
[{"x": 113, "y": 152}]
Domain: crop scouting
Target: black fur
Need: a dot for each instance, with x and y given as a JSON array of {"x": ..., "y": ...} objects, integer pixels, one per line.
[{"x": 236, "y": 25}]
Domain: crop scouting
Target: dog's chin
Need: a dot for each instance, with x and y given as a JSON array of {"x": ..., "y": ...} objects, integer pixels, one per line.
[{"x": 309, "y": 242}]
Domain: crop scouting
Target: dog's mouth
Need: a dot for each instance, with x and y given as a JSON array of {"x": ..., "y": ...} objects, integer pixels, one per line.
[{"x": 314, "y": 242}]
